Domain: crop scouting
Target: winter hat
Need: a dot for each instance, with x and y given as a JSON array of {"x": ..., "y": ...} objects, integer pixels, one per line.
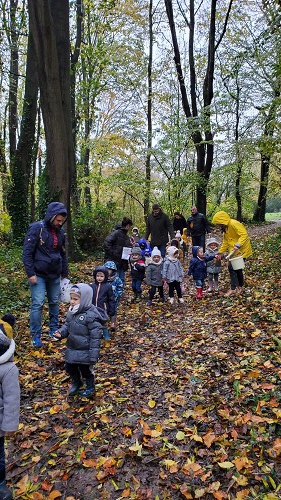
[
  {"x": 178, "y": 234},
  {"x": 155, "y": 252},
  {"x": 135, "y": 230},
  {"x": 136, "y": 250},
  {"x": 76, "y": 290},
  {"x": 212, "y": 240},
  {"x": 171, "y": 251},
  {"x": 4, "y": 343}
]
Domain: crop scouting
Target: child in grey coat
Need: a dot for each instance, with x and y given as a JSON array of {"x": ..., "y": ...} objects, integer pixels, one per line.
[
  {"x": 213, "y": 266},
  {"x": 9, "y": 404},
  {"x": 173, "y": 274},
  {"x": 154, "y": 276},
  {"x": 83, "y": 330}
]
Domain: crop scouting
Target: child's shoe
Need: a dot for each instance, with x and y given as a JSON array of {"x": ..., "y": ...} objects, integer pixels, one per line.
[
  {"x": 74, "y": 389},
  {"x": 149, "y": 303},
  {"x": 5, "y": 493},
  {"x": 171, "y": 300},
  {"x": 139, "y": 297},
  {"x": 90, "y": 388},
  {"x": 134, "y": 298},
  {"x": 210, "y": 289},
  {"x": 199, "y": 292},
  {"x": 181, "y": 300},
  {"x": 36, "y": 340},
  {"x": 163, "y": 299}
]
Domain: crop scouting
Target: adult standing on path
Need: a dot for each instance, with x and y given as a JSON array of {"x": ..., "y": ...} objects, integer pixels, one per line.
[
  {"x": 159, "y": 226},
  {"x": 114, "y": 244},
  {"x": 236, "y": 240},
  {"x": 179, "y": 222},
  {"x": 197, "y": 227},
  {"x": 45, "y": 263}
]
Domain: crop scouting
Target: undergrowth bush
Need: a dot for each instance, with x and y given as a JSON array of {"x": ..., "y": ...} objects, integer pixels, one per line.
[{"x": 91, "y": 228}]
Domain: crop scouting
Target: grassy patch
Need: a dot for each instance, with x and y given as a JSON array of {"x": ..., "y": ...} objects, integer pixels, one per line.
[{"x": 273, "y": 216}]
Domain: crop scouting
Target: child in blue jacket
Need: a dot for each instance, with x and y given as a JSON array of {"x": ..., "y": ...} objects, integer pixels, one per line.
[
  {"x": 198, "y": 269},
  {"x": 103, "y": 296},
  {"x": 117, "y": 287}
]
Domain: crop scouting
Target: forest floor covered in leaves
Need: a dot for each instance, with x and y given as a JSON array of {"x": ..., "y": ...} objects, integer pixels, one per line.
[{"x": 188, "y": 398}]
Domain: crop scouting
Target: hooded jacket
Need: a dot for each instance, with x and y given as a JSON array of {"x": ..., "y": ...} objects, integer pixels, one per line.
[
  {"x": 234, "y": 235},
  {"x": 145, "y": 248},
  {"x": 159, "y": 226},
  {"x": 9, "y": 387},
  {"x": 103, "y": 295},
  {"x": 172, "y": 268},
  {"x": 198, "y": 267},
  {"x": 213, "y": 266},
  {"x": 39, "y": 255},
  {"x": 154, "y": 273},
  {"x": 83, "y": 329},
  {"x": 113, "y": 247}
]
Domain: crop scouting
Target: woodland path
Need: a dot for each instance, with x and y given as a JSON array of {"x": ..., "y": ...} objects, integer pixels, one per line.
[{"x": 187, "y": 404}]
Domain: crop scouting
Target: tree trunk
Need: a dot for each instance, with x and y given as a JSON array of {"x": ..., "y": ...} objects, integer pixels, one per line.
[
  {"x": 23, "y": 157},
  {"x": 13, "y": 79},
  {"x": 49, "y": 25},
  {"x": 149, "y": 117}
]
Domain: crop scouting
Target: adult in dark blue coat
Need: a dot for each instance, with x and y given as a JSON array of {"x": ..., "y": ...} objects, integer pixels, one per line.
[{"x": 45, "y": 263}]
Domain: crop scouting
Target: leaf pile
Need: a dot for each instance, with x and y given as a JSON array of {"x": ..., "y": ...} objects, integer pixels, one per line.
[{"x": 187, "y": 405}]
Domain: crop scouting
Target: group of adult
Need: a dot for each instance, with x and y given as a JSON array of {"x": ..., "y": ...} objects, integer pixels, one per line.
[{"x": 45, "y": 260}]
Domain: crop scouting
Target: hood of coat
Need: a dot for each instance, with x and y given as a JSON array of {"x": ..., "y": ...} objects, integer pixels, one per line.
[
  {"x": 86, "y": 296},
  {"x": 53, "y": 209},
  {"x": 171, "y": 251},
  {"x": 7, "y": 348},
  {"x": 221, "y": 218},
  {"x": 210, "y": 241},
  {"x": 195, "y": 251},
  {"x": 100, "y": 269}
]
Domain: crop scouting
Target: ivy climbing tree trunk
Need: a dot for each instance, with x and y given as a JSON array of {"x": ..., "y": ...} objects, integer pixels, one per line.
[
  {"x": 22, "y": 158},
  {"x": 49, "y": 26}
]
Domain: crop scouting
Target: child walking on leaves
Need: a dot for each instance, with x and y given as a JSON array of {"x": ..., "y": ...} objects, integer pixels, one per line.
[
  {"x": 117, "y": 288},
  {"x": 9, "y": 403},
  {"x": 137, "y": 266},
  {"x": 83, "y": 330},
  {"x": 154, "y": 276},
  {"x": 173, "y": 274},
  {"x": 198, "y": 269},
  {"x": 213, "y": 266},
  {"x": 103, "y": 296}
]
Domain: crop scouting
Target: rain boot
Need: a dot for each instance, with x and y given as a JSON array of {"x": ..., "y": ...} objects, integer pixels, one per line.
[
  {"x": 90, "y": 388},
  {"x": 199, "y": 292},
  {"x": 139, "y": 297},
  {"x": 76, "y": 384},
  {"x": 211, "y": 285}
]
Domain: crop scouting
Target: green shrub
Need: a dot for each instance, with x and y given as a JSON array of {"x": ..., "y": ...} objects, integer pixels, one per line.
[{"x": 91, "y": 228}]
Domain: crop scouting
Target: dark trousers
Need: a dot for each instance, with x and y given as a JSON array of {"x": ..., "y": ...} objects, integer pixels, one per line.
[
  {"x": 175, "y": 285},
  {"x": 199, "y": 241},
  {"x": 78, "y": 371},
  {"x": 2, "y": 460},
  {"x": 153, "y": 290},
  {"x": 136, "y": 285},
  {"x": 236, "y": 277}
]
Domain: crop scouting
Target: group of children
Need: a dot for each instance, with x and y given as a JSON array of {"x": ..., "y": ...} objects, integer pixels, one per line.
[{"x": 158, "y": 272}]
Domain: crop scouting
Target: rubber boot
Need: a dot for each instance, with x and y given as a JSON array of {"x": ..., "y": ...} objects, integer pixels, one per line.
[
  {"x": 36, "y": 340},
  {"x": 5, "y": 493},
  {"x": 211, "y": 285},
  {"x": 138, "y": 298},
  {"x": 74, "y": 389},
  {"x": 90, "y": 388},
  {"x": 199, "y": 292}
]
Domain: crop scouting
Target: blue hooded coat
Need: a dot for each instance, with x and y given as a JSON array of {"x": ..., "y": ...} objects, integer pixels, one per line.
[
  {"x": 103, "y": 296},
  {"x": 198, "y": 267},
  {"x": 40, "y": 257}
]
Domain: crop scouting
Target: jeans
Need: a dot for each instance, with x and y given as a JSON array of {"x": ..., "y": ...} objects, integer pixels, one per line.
[
  {"x": 52, "y": 288},
  {"x": 136, "y": 285},
  {"x": 2, "y": 460},
  {"x": 236, "y": 277},
  {"x": 199, "y": 283}
]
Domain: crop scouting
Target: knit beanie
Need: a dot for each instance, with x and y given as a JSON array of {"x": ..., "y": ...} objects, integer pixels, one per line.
[
  {"x": 155, "y": 252},
  {"x": 4, "y": 343},
  {"x": 136, "y": 250}
]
